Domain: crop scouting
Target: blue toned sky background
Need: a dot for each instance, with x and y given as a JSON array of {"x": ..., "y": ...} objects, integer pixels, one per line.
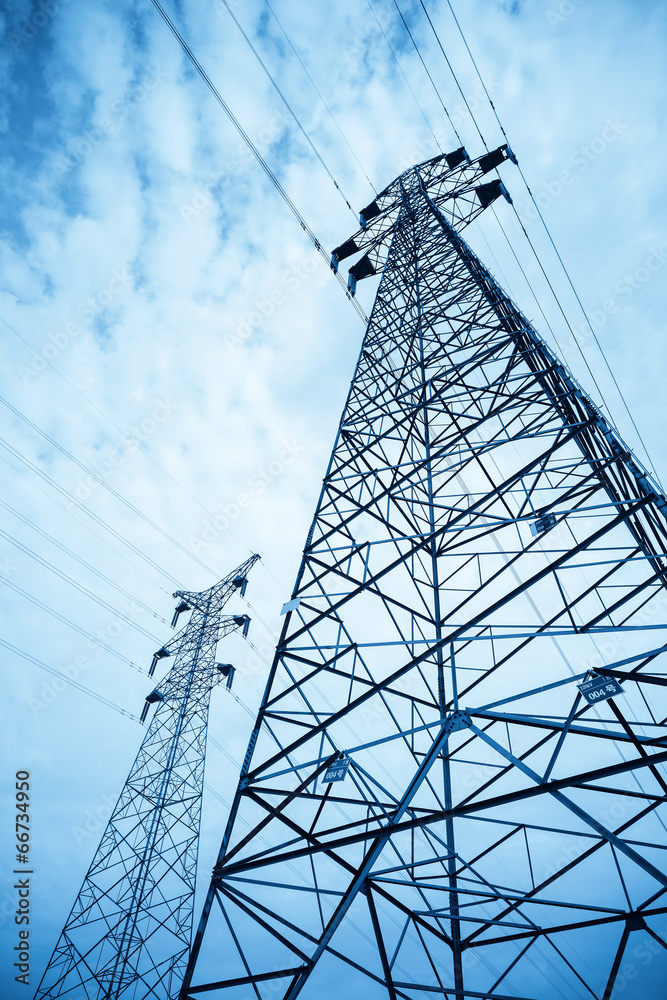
[{"x": 175, "y": 354}]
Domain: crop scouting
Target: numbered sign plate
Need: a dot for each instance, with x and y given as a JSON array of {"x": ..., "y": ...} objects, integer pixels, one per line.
[
  {"x": 337, "y": 770},
  {"x": 599, "y": 689}
]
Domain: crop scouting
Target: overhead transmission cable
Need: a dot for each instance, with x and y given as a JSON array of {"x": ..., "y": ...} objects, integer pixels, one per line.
[
  {"x": 539, "y": 305},
  {"x": 82, "y": 562},
  {"x": 288, "y": 106},
  {"x": 124, "y": 434},
  {"x": 73, "y": 514},
  {"x": 73, "y": 500},
  {"x": 451, "y": 69},
  {"x": 485, "y": 145},
  {"x": 407, "y": 82},
  {"x": 68, "y": 680},
  {"x": 562, "y": 311},
  {"x": 319, "y": 94},
  {"x": 104, "y": 484},
  {"x": 555, "y": 248},
  {"x": 77, "y": 503},
  {"x": 78, "y": 586},
  {"x": 587, "y": 320},
  {"x": 426, "y": 70},
  {"x": 77, "y": 628},
  {"x": 502, "y": 228},
  {"x": 256, "y": 153}
]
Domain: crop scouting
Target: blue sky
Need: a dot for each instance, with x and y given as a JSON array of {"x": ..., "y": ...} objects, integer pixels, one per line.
[{"x": 199, "y": 349}]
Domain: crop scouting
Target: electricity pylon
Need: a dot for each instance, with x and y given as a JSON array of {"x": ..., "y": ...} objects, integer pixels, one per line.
[
  {"x": 129, "y": 931},
  {"x": 455, "y": 786}
]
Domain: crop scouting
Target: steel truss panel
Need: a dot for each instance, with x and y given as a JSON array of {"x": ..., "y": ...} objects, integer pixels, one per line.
[
  {"x": 129, "y": 932},
  {"x": 483, "y": 541}
]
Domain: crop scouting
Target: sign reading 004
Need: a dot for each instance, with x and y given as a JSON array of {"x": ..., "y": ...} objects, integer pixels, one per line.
[
  {"x": 596, "y": 688},
  {"x": 337, "y": 770}
]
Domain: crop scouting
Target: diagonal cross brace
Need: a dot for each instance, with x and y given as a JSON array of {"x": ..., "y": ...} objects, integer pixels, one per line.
[
  {"x": 456, "y": 721},
  {"x": 655, "y": 873}
]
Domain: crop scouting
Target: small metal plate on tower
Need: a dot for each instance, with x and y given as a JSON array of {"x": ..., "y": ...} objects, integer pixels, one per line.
[
  {"x": 337, "y": 770},
  {"x": 599, "y": 689},
  {"x": 544, "y": 523},
  {"x": 290, "y": 605}
]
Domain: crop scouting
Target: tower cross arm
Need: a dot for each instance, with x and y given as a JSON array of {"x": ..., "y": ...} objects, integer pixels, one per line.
[
  {"x": 453, "y": 181},
  {"x": 217, "y": 596}
]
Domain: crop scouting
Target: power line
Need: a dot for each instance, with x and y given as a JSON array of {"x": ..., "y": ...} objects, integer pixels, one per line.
[
  {"x": 560, "y": 307},
  {"x": 288, "y": 106},
  {"x": 426, "y": 69},
  {"x": 588, "y": 322},
  {"x": 98, "y": 519},
  {"x": 451, "y": 69},
  {"x": 116, "y": 427},
  {"x": 77, "y": 628},
  {"x": 502, "y": 228},
  {"x": 73, "y": 514},
  {"x": 463, "y": 38},
  {"x": 82, "y": 562},
  {"x": 319, "y": 94},
  {"x": 68, "y": 680},
  {"x": 73, "y": 500},
  {"x": 528, "y": 283},
  {"x": 558, "y": 255},
  {"x": 534, "y": 251},
  {"x": 78, "y": 586},
  {"x": 407, "y": 82},
  {"x": 456, "y": 80},
  {"x": 104, "y": 484},
  {"x": 256, "y": 153}
]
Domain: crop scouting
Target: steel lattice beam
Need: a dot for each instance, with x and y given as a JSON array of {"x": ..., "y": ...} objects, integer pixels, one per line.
[
  {"x": 129, "y": 931},
  {"x": 483, "y": 540}
]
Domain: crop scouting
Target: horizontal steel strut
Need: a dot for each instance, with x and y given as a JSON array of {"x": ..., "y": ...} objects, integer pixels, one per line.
[
  {"x": 483, "y": 537},
  {"x": 129, "y": 931}
]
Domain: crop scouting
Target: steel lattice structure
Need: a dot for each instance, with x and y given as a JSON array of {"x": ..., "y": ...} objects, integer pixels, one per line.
[
  {"x": 483, "y": 542},
  {"x": 129, "y": 931}
]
